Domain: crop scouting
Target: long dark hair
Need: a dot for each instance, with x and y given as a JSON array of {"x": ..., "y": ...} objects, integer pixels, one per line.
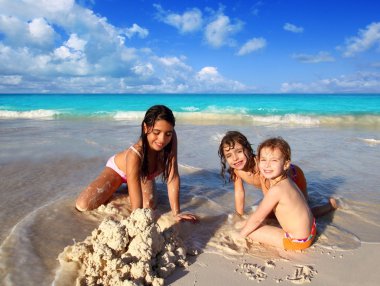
[
  {"x": 230, "y": 139},
  {"x": 153, "y": 114}
]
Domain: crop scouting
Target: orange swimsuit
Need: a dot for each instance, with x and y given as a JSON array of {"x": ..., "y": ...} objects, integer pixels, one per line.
[{"x": 291, "y": 243}]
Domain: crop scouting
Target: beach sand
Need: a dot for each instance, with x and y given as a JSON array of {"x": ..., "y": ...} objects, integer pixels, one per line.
[{"x": 45, "y": 164}]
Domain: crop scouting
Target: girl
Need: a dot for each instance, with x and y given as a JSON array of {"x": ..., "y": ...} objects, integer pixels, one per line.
[
  {"x": 153, "y": 154},
  {"x": 236, "y": 151},
  {"x": 298, "y": 228}
]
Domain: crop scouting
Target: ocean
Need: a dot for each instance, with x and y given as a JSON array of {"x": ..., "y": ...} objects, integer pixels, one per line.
[
  {"x": 53, "y": 145},
  {"x": 264, "y": 109}
]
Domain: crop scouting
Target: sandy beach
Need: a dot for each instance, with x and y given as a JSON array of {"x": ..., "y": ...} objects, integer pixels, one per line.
[{"x": 41, "y": 179}]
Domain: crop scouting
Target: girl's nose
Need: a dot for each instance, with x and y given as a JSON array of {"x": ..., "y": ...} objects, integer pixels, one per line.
[{"x": 161, "y": 138}]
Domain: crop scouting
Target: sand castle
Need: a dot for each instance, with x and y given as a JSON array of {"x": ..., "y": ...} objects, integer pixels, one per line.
[{"x": 127, "y": 251}]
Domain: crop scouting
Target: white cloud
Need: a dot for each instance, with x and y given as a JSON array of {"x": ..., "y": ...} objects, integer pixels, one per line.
[
  {"x": 208, "y": 73},
  {"x": 144, "y": 69},
  {"x": 189, "y": 21},
  {"x": 52, "y": 6},
  {"x": 219, "y": 31},
  {"x": 173, "y": 62},
  {"x": 360, "y": 82},
  {"x": 136, "y": 29},
  {"x": 216, "y": 82},
  {"x": 292, "y": 28},
  {"x": 14, "y": 30},
  {"x": 367, "y": 38},
  {"x": 75, "y": 43},
  {"x": 10, "y": 79},
  {"x": 40, "y": 31},
  {"x": 72, "y": 49},
  {"x": 252, "y": 45},
  {"x": 314, "y": 59},
  {"x": 60, "y": 46}
]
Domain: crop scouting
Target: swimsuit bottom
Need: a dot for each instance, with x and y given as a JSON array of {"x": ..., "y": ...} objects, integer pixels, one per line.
[
  {"x": 111, "y": 164},
  {"x": 298, "y": 244}
]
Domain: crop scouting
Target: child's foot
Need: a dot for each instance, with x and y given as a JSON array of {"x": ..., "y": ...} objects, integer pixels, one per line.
[{"x": 333, "y": 202}]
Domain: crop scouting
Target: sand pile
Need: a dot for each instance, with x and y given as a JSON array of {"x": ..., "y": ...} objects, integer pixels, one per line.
[{"x": 127, "y": 251}]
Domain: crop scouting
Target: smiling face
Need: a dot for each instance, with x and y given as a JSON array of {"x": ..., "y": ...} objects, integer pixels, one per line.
[
  {"x": 235, "y": 156},
  {"x": 272, "y": 163},
  {"x": 159, "y": 135}
]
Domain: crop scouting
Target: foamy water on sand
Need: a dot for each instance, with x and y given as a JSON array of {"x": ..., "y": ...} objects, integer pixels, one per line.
[{"x": 46, "y": 163}]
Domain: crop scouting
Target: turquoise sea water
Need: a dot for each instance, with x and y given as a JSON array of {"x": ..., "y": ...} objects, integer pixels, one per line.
[{"x": 303, "y": 109}]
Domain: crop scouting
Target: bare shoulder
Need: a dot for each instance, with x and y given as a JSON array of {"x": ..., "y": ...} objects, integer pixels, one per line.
[
  {"x": 277, "y": 190},
  {"x": 133, "y": 153}
]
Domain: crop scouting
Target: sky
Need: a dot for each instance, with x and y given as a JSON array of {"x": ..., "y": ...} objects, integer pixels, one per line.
[{"x": 183, "y": 46}]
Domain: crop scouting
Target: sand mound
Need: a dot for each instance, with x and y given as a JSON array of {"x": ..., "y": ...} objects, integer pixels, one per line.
[{"x": 127, "y": 251}]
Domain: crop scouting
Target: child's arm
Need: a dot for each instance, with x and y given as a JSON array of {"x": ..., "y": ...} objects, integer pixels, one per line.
[
  {"x": 264, "y": 209},
  {"x": 173, "y": 186},
  {"x": 239, "y": 195},
  {"x": 133, "y": 179}
]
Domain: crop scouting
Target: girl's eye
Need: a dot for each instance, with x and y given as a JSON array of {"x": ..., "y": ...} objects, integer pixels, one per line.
[
  {"x": 169, "y": 134},
  {"x": 156, "y": 132}
]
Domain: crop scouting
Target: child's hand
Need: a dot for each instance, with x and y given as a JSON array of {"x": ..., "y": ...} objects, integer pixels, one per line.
[
  {"x": 186, "y": 217},
  {"x": 238, "y": 239},
  {"x": 239, "y": 224}
]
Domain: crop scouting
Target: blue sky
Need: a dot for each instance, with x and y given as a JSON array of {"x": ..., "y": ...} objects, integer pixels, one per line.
[{"x": 178, "y": 46}]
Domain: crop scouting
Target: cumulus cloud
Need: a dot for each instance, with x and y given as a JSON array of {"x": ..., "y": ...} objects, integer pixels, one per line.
[
  {"x": 60, "y": 46},
  {"x": 314, "y": 59},
  {"x": 136, "y": 30},
  {"x": 189, "y": 21},
  {"x": 40, "y": 31},
  {"x": 292, "y": 28},
  {"x": 358, "y": 82},
  {"x": 209, "y": 73},
  {"x": 366, "y": 39},
  {"x": 144, "y": 70},
  {"x": 219, "y": 32},
  {"x": 216, "y": 82},
  {"x": 252, "y": 45}
]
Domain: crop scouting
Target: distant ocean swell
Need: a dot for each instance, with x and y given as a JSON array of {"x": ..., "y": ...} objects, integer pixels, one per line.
[{"x": 190, "y": 115}]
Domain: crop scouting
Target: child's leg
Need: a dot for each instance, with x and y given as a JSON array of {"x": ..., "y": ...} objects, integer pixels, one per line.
[
  {"x": 268, "y": 234},
  {"x": 149, "y": 194},
  {"x": 99, "y": 191},
  {"x": 319, "y": 211}
]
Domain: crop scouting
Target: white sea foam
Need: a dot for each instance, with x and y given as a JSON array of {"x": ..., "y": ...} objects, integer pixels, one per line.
[
  {"x": 370, "y": 141},
  {"x": 287, "y": 119},
  {"x": 32, "y": 114},
  {"x": 129, "y": 115},
  {"x": 226, "y": 110},
  {"x": 190, "y": 108}
]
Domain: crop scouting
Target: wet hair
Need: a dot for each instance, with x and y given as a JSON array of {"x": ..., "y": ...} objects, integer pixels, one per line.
[
  {"x": 229, "y": 140},
  {"x": 152, "y": 115},
  {"x": 276, "y": 143}
]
